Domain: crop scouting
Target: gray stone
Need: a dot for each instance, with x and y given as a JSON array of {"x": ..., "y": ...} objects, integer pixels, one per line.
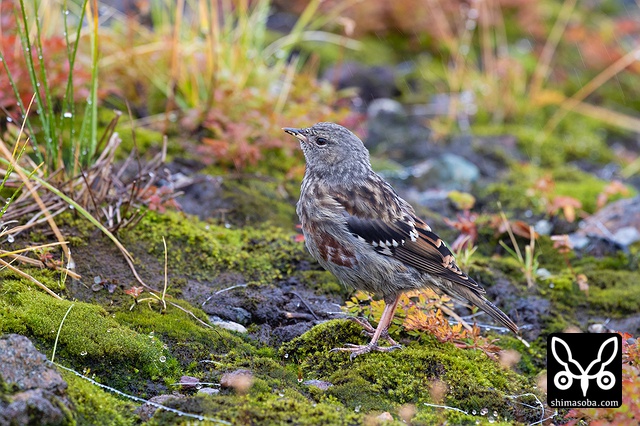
[
  {"x": 36, "y": 391},
  {"x": 209, "y": 391},
  {"x": 449, "y": 171},
  {"x": 320, "y": 384},
  {"x": 543, "y": 227},
  {"x": 626, "y": 236},
  {"x": 229, "y": 325},
  {"x": 392, "y": 133}
]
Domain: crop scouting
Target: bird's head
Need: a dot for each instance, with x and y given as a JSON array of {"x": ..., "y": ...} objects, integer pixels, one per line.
[{"x": 332, "y": 148}]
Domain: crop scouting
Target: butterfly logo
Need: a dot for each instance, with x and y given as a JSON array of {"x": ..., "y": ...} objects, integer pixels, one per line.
[{"x": 563, "y": 380}]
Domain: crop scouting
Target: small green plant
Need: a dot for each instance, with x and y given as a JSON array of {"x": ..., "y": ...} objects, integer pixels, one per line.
[
  {"x": 50, "y": 69},
  {"x": 529, "y": 262}
]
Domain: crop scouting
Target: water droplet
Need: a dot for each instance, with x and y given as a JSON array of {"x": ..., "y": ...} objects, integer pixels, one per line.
[
  {"x": 495, "y": 414},
  {"x": 300, "y": 380},
  {"x": 66, "y": 12},
  {"x": 40, "y": 57},
  {"x": 484, "y": 412},
  {"x": 473, "y": 412},
  {"x": 163, "y": 358},
  {"x": 108, "y": 330},
  {"x": 491, "y": 419},
  {"x": 97, "y": 279},
  {"x": 165, "y": 346},
  {"x": 83, "y": 353},
  {"x": 9, "y": 120},
  {"x": 199, "y": 386},
  {"x": 10, "y": 238},
  {"x": 286, "y": 355},
  {"x": 357, "y": 409},
  {"x": 71, "y": 207},
  {"x": 67, "y": 115}
]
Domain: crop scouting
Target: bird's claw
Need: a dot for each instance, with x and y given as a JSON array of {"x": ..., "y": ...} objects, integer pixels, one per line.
[{"x": 363, "y": 349}]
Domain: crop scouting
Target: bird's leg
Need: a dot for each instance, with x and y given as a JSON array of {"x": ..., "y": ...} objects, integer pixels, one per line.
[
  {"x": 380, "y": 331},
  {"x": 370, "y": 331}
]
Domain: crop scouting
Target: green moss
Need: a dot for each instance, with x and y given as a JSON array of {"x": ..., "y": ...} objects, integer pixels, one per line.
[
  {"x": 93, "y": 406},
  {"x": 259, "y": 202},
  {"x": 186, "y": 339},
  {"x": 273, "y": 408},
  {"x": 562, "y": 289},
  {"x": 202, "y": 251},
  {"x": 569, "y": 181},
  {"x": 385, "y": 380},
  {"x": 576, "y": 138},
  {"x": 90, "y": 338},
  {"x": 614, "y": 292}
]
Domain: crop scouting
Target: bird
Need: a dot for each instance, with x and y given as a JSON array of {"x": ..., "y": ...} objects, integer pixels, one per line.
[{"x": 357, "y": 227}]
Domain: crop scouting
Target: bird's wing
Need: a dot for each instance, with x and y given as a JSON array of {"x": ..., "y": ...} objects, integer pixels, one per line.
[{"x": 412, "y": 242}]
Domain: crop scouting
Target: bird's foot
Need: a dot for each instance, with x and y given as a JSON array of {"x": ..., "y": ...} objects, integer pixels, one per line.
[
  {"x": 368, "y": 330},
  {"x": 364, "y": 349}
]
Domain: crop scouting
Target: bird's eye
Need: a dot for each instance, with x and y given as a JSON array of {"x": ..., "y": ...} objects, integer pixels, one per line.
[{"x": 321, "y": 141}]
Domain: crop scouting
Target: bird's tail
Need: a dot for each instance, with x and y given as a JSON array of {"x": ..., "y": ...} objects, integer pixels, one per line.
[
  {"x": 496, "y": 314},
  {"x": 481, "y": 302}
]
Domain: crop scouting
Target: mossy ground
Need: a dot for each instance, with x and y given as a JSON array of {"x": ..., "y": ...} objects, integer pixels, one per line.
[{"x": 145, "y": 350}]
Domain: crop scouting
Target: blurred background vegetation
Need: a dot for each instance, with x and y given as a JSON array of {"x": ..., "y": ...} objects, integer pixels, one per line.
[
  {"x": 506, "y": 122},
  {"x": 221, "y": 77}
]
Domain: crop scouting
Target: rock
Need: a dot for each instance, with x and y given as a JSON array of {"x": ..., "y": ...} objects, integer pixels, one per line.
[
  {"x": 188, "y": 382},
  {"x": 614, "y": 227},
  {"x": 578, "y": 242},
  {"x": 320, "y": 384},
  {"x": 37, "y": 392},
  {"x": 146, "y": 411},
  {"x": 626, "y": 236},
  {"x": 449, "y": 171},
  {"x": 457, "y": 171},
  {"x": 229, "y": 325},
  {"x": 395, "y": 134},
  {"x": 371, "y": 82},
  {"x": 543, "y": 227},
  {"x": 208, "y": 391},
  {"x": 543, "y": 273}
]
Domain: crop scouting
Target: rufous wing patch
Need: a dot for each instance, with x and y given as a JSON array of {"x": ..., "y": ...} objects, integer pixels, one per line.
[{"x": 331, "y": 250}]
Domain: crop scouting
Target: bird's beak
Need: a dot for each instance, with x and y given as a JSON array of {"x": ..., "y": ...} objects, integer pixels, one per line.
[{"x": 298, "y": 133}]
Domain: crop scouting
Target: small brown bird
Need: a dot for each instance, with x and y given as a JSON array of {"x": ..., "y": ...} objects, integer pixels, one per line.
[{"x": 357, "y": 227}]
